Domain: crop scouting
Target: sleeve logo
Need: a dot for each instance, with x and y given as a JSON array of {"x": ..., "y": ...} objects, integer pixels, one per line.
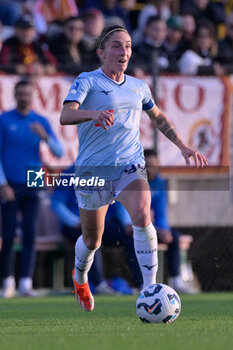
[{"x": 74, "y": 88}]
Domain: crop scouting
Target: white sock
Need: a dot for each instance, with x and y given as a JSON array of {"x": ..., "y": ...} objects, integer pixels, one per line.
[
  {"x": 145, "y": 244},
  {"x": 25, "y": 284},
  {"x": 83, "y": 260}
]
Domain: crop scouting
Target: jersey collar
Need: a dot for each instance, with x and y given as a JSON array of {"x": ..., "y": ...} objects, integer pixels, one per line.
[{"x": 115, "y": 82}]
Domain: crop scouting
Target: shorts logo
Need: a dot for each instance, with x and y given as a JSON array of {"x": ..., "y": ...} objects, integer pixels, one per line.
[
  {"x": 35, "y": 178},
  {"x": 131, "y": 170}
]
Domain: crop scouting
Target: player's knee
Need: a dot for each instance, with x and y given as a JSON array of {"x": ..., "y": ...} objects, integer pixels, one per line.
[
  {"x": 142, "y": 217},
  {"x": 92, "y": 243}
]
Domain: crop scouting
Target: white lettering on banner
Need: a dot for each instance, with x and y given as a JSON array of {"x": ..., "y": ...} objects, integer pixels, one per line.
[{"x": 197, "y": 106}]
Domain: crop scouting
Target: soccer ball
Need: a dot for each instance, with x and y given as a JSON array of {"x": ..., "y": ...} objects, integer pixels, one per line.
[{"x": 158, "y": 303}]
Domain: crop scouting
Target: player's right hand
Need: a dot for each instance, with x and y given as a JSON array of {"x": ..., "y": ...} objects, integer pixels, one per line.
[
  {"x": 6, "y": 193},
  {"x": 104, "y": 119}
]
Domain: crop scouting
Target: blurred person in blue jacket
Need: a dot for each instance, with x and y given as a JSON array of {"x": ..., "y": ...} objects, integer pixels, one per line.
[{"x": 21, "y": 132}]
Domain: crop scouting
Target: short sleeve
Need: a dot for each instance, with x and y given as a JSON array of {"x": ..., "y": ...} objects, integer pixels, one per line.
[
  {"x": 79, "y": 90},
  {"x": 147, "y": 102}
]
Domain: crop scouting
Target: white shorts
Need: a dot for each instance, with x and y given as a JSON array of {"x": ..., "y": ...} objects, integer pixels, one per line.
[{"x": 95, "y": 198}]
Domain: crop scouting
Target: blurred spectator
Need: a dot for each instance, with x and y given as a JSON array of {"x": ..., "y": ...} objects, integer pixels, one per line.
[
  {"x": 70, "y": 50},
  {"x": 172, "y": 42},
  {"x": 196, "y": 8},
  {"x": 93, "y": 25},
  {"x": 64, "y": 205},
  {"x": 159, "y": 218},
  {"x": 153, "y": 44},
  {"x": 110, "y": 8},
  {"x": 202, "y": 59},
  {"x": 10, "y": 10},
  {"x": 21, "y": 132},
  {"x": 23, "y": 54},
  {"x": 53, "y": 11},
  {"x": 153, "y": 8},
  {"x": 226, "y": 47},
  {"x": 133, "y": 7},
  {"x": 205, "y": 10},
  {"x": 216, "y": 11},
  {"x": 129, "y": 4},
  {"x": 188, "y": 32},
  {"x": 189, "y": 26}
]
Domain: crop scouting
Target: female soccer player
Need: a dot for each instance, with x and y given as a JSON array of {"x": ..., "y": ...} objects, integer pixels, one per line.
[{"x": 106, "y": 104}]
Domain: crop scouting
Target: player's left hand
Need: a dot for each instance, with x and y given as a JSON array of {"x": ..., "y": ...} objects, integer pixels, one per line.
[
  {"x": 38, "y": 129},
  {"x": 199, "y": 159}
]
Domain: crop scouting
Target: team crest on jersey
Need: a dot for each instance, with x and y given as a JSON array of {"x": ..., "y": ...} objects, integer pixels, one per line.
[{"x": 74, "y": 88}]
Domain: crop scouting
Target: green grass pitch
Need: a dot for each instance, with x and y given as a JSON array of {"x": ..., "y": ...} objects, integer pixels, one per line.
[{"x": 205, "y": 322}]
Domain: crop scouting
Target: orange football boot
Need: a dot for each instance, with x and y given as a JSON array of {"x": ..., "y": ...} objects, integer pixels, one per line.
[{"x": 83, "y": 294}]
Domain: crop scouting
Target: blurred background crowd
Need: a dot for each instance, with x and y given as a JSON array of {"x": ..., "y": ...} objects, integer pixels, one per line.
[{"x": 59, "y": 36}]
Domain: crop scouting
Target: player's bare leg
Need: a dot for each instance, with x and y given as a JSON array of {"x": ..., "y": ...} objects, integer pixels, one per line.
[
  {"x": 92, "y": 222},
  {"x": 136, "y": 198}
]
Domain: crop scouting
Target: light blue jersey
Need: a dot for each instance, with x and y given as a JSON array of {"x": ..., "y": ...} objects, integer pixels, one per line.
[{"x": 118, "y": 146}]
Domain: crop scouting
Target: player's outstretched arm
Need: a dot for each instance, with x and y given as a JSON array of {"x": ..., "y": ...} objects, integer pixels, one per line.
[
  {"x": 164, "y": 125},
  {"x": 71, "y": 115}
]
